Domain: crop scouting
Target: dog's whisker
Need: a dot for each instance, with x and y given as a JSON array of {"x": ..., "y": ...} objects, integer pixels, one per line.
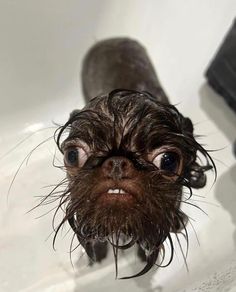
[
  {"x": 23, "y": 140},
  {"x": 32, "y": 151},
  {"x": 195, "y": 233},
  {"x": 182, "y": 252},
  {"x": 72, "y": 249},
  {"x": 45, "y": 198},
  {"x": 26, "y": 159},
  {"x": 205, "y": 202},
  {"x": 43, "y": 215}
]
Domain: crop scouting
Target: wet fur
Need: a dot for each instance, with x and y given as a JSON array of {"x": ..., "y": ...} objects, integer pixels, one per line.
[{"x": 128, "y": 115}]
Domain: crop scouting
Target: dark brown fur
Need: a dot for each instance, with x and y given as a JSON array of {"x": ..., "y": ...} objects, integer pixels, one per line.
[{"x": 121, "y": 129}]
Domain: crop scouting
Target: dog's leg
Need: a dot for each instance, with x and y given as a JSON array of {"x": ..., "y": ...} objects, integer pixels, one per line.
[{"x": 96, "y": 250}]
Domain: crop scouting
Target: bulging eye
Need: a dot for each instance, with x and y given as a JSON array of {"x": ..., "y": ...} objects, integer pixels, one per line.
[
  {"x": 75, "y": 156},
  {"x": 168, "y": 161},
  {"x": 71, "y": 156}
]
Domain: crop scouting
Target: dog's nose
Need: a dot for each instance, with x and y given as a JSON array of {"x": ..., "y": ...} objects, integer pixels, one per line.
[{"x": 117, "y": 167}]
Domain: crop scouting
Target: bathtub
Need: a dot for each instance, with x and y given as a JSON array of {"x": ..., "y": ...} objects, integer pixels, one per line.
[{"x": 42, "y": 47}]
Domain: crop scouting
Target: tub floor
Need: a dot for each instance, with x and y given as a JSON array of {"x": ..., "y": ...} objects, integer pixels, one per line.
[{"x": 42, "y": 46}]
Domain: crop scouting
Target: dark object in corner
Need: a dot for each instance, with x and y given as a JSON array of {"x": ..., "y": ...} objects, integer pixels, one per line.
[{"x": 221, "y": 74}]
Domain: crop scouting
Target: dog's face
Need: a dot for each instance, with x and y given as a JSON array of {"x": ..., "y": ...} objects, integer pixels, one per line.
[{"x": 127, "y": 158}]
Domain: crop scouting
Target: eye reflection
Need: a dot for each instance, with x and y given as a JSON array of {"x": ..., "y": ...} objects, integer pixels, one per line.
[{"x": 169, "y": 161}]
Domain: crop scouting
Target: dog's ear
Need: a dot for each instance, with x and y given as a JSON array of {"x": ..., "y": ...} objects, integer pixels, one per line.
[
  {"x": 195, "y": 173},
  {"x": 187, "y": 125},
  {"x": 74, "y": 113}
]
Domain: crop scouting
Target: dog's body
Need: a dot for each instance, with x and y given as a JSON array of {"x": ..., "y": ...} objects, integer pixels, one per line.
[
  {"x": 128, "y": 155},
  {"x": 119, "y": 64}
]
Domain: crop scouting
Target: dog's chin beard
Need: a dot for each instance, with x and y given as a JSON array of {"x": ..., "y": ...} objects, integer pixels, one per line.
[
  {"x": 123, "y": 224},
  {"x": 122, "y": 229}
]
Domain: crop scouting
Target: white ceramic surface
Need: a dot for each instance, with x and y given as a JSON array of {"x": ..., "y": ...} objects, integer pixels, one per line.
[{"x": 42, "y": 44}]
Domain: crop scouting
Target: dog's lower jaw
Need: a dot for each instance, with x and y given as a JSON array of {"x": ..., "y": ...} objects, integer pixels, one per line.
[{"x": 148, "y": 247}]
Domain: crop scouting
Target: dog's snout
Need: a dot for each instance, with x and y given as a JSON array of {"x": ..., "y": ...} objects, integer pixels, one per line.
[{"x": 117, "y": 168}]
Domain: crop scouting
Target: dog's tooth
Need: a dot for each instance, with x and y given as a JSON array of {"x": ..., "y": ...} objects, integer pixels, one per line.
[
  {"x": 122, "y": 191},
  {"x": 116, "y": 191},
  {"x": 113, "y": 191}
]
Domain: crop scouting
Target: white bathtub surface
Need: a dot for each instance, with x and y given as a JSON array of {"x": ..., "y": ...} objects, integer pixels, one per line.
[{"x": 41, "y": 48}]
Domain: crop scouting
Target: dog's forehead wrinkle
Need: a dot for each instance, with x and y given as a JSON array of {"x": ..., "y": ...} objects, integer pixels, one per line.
[
  {"x": 132, "y": 124},
  {"x": 125, "y": 136},
  {"x": 121, "y": 103}
]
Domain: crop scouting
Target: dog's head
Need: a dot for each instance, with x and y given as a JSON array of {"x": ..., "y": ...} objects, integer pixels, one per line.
[{"x": 127, "y": 158}]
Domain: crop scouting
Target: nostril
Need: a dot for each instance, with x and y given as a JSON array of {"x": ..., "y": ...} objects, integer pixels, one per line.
[
  {"x": 110, "y": 164},
  {"x": 117, "y": 167},
  {"x": 123, "y": 164}
]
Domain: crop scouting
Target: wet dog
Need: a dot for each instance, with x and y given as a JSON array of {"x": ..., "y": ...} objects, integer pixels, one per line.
[{"x": 128, "y": 155}]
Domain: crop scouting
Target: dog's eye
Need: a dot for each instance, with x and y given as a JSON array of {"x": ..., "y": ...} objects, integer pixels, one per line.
[
  {"x": 75, "y": 156},
  {"x": 168, "y": 161},
  {"x": 72, "y": 156}
]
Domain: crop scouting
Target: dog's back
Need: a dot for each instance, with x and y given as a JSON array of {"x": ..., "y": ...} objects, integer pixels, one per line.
[{"x": 119, "y": 63}]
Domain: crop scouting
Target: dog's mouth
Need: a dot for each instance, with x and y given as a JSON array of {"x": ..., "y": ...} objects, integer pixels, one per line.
[{"x": 116, "y": 195}]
